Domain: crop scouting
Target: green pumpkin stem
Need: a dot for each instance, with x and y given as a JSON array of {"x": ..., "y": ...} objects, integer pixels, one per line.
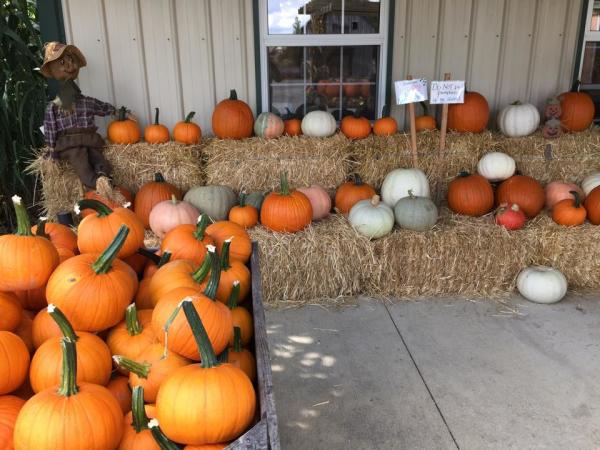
[
  {"x": 224, "y": 356},
  {"x": 189, "y": 117},
  {"x": 233, "y": 95},
  {"x": 385, "y": 111},
  {"x": 284, "y": 185},
  {"x": 201, "y": 227},
  {"x": 156, "y": 116},
  {"x": 158, "y": 177},
  {"x": 68, "y": 378},
  {"x": 104, "y": 262},
  {"x": 140, "y": 369},
  {"x": 207, "y": 354},
  {"x": 138, "y": 412},
  {"x": 100, "y": 208},
  {"x": 41, "y": 228},
  {"x": 234, "y": 296},
  {"x": 201, "y": 272},
  {"x": 357, "y": 180},
  {"x": 148, "y": 254},
  {"x": 237, "y": 339},
  {"x": 23, "y": 224},
  {"x": 463, "y": 173},
  {"x": 63, "y": 323},
  {"x": 242, "y": 199},
  {"x": 161, "y": 439},
  {"x": 215, "y": 273},
  {"x": 425, "y": 108},
  {"x": 122, "y": 113},
  {"x": 164, "y": 258},
  {"x": 516, "y": 103},
  {"x": 577, "y": 199},
  {"x": 225, "y": 254},
  {"x": 132, "y": 322}
]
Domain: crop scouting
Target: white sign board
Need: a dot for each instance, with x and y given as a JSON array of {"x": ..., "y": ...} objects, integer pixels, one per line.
[
  {"x": 410, "y": 91},
  {"x": 447, "y": 92}
]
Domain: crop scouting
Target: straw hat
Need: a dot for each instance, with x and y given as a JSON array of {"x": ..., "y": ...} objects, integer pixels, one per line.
[{"x": 54, "y": 50}]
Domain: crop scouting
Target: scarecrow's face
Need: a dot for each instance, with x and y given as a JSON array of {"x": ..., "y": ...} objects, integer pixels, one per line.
[
  {"x": 64, "y": 68},
  {"x": 553, "y": 110},
  {"x": 552, "y": 129}
]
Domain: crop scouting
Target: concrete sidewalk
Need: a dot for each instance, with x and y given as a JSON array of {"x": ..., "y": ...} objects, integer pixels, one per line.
[{"x": 438, "y": 374}]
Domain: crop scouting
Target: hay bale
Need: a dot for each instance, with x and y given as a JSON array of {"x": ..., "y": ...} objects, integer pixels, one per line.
[
  {"x": 133, "y": 165},
  {"x": 255, "y": 163}
]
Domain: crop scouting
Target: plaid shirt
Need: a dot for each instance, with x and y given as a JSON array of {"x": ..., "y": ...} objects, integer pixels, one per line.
[{"x": 85, "y": 108}]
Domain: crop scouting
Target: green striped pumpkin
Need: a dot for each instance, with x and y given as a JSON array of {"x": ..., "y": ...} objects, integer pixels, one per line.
[{"x": 268, "y": 126}]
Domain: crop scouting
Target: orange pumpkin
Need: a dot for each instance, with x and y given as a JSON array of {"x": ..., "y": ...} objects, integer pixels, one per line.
[
  {"x": 471, "y": 116},
  {"x": 95, "y": 232},
  {"x": 137, "y": 261},
  {"x": 286, "y": 211},
  {"x": 471, "y": 195},
  {"x": 187, "y": 132},
  {"x": 142, "y": 296},
  {"x": 178, "y": 274},
  {"x": 241, "y": 246},
  {"x": 26, "y": 261},
  {"x": 351, "y": 192},
  {"x": 232, "y": 118},
  {"x": 25, "y": 331},
  {"x": 525, "y": 192},
  {"x": 94, "y": 290},
  {"x": 240, "y": 357},
  {"x": 557, "y": 191},
  {"x": 123, "y": 130},
  {"x": 43, "y": 328},
  {"x": 9, "y": 410},
  {"x": 187, "y": 241},
  {"x": 240, "y": 316},
  {"x": 569, "y": 212},
  {"x": 152, "y": 193},
  {"x": 11, "y": 311},
  {"x": 137, "y": 435},
  {"x": 14, "y": 362},
  {"x": 425, "y": 122},
  {"x": 355, "y": 126},
  {"x": 119, "y": 388},
  {"x": 592, "y": 205},
  {"x": 577, "y": 108},
  {"x": 156, "y": 133},
  {"x": 151, "y": 267},
  {"x": 232, "y": 270},
  {"x": 60, "y": 235},
  {"x": 386, "y": 125},
  {"x": 244, "y": 215},
  {"x": 292, "y": 127},
  {"x": 33, "y": 299},
  {"x": 182, "y": 408},
  {"x": 93, "y": 195}
]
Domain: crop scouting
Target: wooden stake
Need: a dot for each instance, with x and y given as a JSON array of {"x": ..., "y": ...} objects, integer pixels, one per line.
[
  {"x": 444, "y": 120},
  {"x": 413, "y": 130}
]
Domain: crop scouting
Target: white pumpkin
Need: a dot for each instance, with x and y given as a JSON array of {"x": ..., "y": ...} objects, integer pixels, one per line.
[
  {"x": 590, "y": 182},
  {"x": 496, "y": 166},
  {"x": 518, "y": 119},
  {"x": 318, "y": 124},
  {"x": 542, "y": 284},
  {"x": 398, "y": 182},
  {"x": 371, "y": 218}
]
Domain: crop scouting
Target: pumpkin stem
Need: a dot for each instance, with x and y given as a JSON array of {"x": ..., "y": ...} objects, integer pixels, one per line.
[
  {"x": 385, "y": 111},
  {"x": 201, "y": 227},
  {"x": 357, "y": 180},
  {"x": 201, "y": 272},
  {"x": 158, "y": 177},
  {"x": 163, "y": 441},
  {"x": 23, "y": 224},
  {"x": 140, "y": 369},
  {"x": 189, "y": 117},
  {"x": 425, "y": 108},
  {"x": 515, "y": 207},
  {"x": 215, "y": 273},
  {"x": 516, "y": 102},
  {"x": 132, "y": 322},
  {"x": 98, "y": 206},
  {"x": 140, "y": 419},
  {"x": 148, "y": 254},
  {"x": 232, "y": 95},
  {"x": 104, "y": 262},
  {"x": 242, "y": 199},
  {"x": 577, "y": 197},
  {"x": 576, "y": 86},
  {"x": 410, "y": 193},
  {"x": 284, "y": 185},
  {"x": 122, "y": 113},
  {"x": 463, "y": 173},
  {"x": 63, "y": 323},
  {"x": 68, "y": 379},
  {"x": 207, "y": 354},
  {"x": 234, "y": 296},
  {"x": 41, "y": 228},
  {"x": 225, "y": 254},
  {"x": 224, "y": 356},
  {"x": 237, "y": 339},
  {"x": 156, "y": 116},
  {"x": 356, "y": 113},
  {"x": 164, "y": 258},
  {"x": 375, "y": 200},
  {"x": 174, "y": 199}
]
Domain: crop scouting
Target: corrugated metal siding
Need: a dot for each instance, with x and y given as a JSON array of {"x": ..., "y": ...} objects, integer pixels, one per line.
[
  {"x": 505, "y": 49},
  {"x": 178, "y": 55}
]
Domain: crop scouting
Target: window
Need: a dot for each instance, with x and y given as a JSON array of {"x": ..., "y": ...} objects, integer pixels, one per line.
[
  {"x": 589, "y": 70},
  {"x": 323, "y": 54}
]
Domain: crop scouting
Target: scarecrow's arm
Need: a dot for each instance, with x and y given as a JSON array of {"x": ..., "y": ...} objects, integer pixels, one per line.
[
  {"x": 101, "y": 108},
  {"x": 50, "y": 127}
]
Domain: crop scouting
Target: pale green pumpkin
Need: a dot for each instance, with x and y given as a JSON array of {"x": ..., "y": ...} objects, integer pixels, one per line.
[
  {"x": 255, "y": 199},
  {"x": 371, "y": 218},
  {"x": 268, "y": 126},
  {"x": 415, "y": 213},
  {"x": 216, "y": 201}
]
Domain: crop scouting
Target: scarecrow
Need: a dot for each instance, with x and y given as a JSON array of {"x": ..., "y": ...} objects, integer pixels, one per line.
[{"x": 69, "y": 126}]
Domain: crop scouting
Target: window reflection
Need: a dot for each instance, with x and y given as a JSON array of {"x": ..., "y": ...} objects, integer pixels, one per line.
[{"x": 595, "y": 23}]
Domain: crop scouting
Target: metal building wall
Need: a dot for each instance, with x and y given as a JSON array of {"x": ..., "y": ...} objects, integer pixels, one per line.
[{"x": 178, "y": 55}]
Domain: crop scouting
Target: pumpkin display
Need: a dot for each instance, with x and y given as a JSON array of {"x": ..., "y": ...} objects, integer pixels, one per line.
[
  {"x": 255, "y": 199},
  {"x": 156, "y": 133},
  {"x": 10, "y": 406},
  {"x": 93, "y": 356},
  {"x": 60, "y": 235},
  {"x": 151, "y": 194},
  {"x": 557, "y": 191},
  {"x": 169, "y": 214},
  {"x": 187, "y": 132},
  {"x": 518, "y": 119},
  {"x": 385, "y": 125},
  {"x": 398, "y": 182},
  {"x": 241, "y": 246},
  {"x": 123, "y": 130},
  {"x": 542, "y": 284},
  {"x": 94, "y": 290},
  {"x": 119, "y": 388},
  {"x": 232, "y": 270},
  {"x": 355, "y": 127},
  {"x": 470, "y": 195},
  {"x": 268, "y": 125},
  {"x": 592, "y": 206},
  {"x": 240, "y": 357},
  {"x": 43, "y": 328},
  {"x": 496, "y": 166},
  {"x": 415, "y": 213},
  {"x": 425, "y": 122},
  {"x": 12, "y": 311},
  {"x": 525, "y": 192},
  {"x": 510, "y": 217},
  {"x": 351, "y": 192},
  {"x": 216, "y": 201},
  {"x": 286, "y": 211},
  {"x": 95, "y": 232},
  {"x": 14, "y": 361},
  {"x": 577, "y": 110},
  {"x": 590, "y": 182},
  {"x": 26, "y": 261},
  {"x": 319, "y": 199},
  {"x": 569, "y": 212},
  {"x": 318, "y": 124},
  {"x": 371, "y": 218},
  {"x": 232, "y": 118},
  {"x": 136, "y": 434},
  {"x": 244, "y": 215},
  {"x": 93, "y": 195},
  {"x": 184, "y": 414},
  {"x": 471, "y": 116},
  {"x": 188, "y": 241},
  {"x": 90, "y": 417},
  {"x": 240, "y": 316}
]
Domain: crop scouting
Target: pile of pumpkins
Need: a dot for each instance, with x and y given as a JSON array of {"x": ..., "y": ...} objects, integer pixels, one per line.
[{"x": 105, "y": 345}]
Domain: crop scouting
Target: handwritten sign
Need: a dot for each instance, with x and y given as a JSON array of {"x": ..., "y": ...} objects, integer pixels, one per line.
[
  {"x": 447, "y": 92},
  {"x": 410, "y": 91}
]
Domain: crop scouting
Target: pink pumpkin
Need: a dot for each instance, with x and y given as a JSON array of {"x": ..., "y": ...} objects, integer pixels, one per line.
[
  {"x": 558, "y": 190},
  {"x": 168, "y": 214},
  {"x": 319, "y": 199}
]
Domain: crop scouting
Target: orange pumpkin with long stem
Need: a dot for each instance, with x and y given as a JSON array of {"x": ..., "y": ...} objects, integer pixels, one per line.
[
  {"x": 137, "y": 435},
  {"x": 188, "y": 241},
  {"x": 156, "y": 133},
  {"x": 183, "y": 407},
  {"x": 123, "y": 130},
  {"x": 187, "y": 132},
  {"x": 93, "y": 195},
  {"x": 74, "y": 416},
  {"x": 151, "y": 194},
  {"x": 240, "y": 357},
  {"x": 232, "y": 118},
  {"x": 240, "y": 316},
  {"x": 14, "y": 362},
  {"x": 287, "y": 211},
  {"x": 225, "y": 229},
  {"x": 94, "y": 290},
  {"x": 244, "y": 215},
  {"x": 351, "y": 192},
  {"x": 10, "y": 406},
  {"x": 178, "y": 274},
  {"x": 232, "y": 270},
  {"x": 26, "y": 261},
  {"x": 569, "y": 212}
]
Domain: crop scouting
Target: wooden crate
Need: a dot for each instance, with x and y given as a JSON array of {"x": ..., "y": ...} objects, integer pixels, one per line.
[{"x": 264, "y": 434}]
